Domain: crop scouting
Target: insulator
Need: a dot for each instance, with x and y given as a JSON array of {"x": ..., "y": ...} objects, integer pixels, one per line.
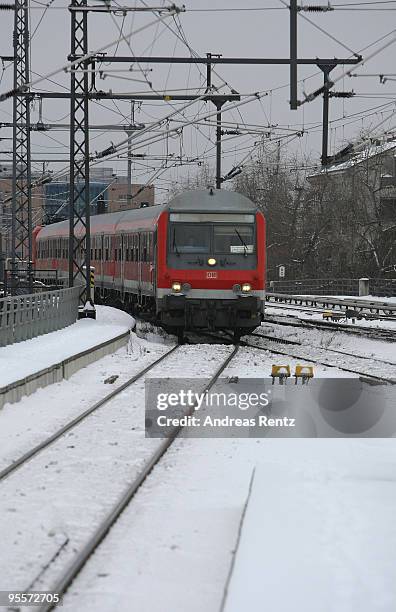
[
  {"x": 342, "y": 94},
  {"x": 316, "y": 9}
]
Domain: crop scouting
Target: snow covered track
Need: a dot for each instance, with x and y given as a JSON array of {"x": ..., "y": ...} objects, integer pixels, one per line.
[
  {"x": 387, "y": 335},
  {"x": 61, "y": 432},
  {"x": 85, "y": 553},
  {"x": 328, "y": 349},
  {"x": 354, "y": 365}
]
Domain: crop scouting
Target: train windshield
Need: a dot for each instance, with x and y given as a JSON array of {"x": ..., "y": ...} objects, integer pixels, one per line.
[
  {"x": 233, "y": 239},
  {"x": 189, "y": 238}
]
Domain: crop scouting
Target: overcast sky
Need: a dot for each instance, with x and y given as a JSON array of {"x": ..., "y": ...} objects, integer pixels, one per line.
[{"x": 248, "y": 33}]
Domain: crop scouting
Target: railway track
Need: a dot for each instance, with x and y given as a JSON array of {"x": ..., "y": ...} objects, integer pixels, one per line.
[
  {"x": 75, "y": 567},
  {"x": 312, "y": 309},
  {"x": 359, "y": 306},
  {"x": 328, "y": 350},
  {"x": 357, "y": 330},
  {"x": 277, "y": 342},
  {"x": 23, "y": 459},
  {"x": 356, "y": 368}
]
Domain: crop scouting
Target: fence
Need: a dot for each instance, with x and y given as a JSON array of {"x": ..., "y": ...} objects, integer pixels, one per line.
[
  {"x": 333, "y": 286},
  {"x": 27, "y": 316}
]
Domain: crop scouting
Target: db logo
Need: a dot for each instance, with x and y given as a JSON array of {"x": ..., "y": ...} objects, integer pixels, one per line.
[{"x": 211, "y": 274}]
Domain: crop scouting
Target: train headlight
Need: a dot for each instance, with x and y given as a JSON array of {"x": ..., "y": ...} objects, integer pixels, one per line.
[
  {"x": 212, "y": 261},
  {"x": 246, "y": 287},
  {"x": 176, "y": 287}
]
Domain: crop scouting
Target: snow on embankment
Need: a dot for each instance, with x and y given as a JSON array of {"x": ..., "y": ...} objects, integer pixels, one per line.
[{"x": 25, "y": 358}]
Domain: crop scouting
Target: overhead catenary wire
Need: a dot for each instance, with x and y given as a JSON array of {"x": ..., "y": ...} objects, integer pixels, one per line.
[{"x": 6, "y": 95}]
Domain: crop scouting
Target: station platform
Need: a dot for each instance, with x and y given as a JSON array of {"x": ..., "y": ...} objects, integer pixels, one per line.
[{"x": 26, "y": 366}]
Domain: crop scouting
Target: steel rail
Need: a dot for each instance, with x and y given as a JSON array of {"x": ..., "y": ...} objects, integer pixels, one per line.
[
  {"x": 330, "y": 350},
  {"x": 364, "y": 375},
  {"x": 326, "y": 301},
  {"x": 95, "y": 540},
  {"x": 387, "y": 335},
  {"x": 338, "y": 310},
  {"x": 81, "y": 417}
]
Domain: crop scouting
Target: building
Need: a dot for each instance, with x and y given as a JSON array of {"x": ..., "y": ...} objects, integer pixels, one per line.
[
  {"x": 50, "y": 201},
  {"x": 108, "y": 193},
  {"x": 370, "y": 168},
  {"x": 6, "y": 204},
  {"x": 140, "y": 195},
  {"x": 355, "y": 204}
]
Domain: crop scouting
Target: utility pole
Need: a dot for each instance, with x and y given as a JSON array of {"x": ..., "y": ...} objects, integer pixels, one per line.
[
  {"x": 218, "y": 145},
  {"x": 218, "y": 104},
  {"x": 293, "y": 54},
  {"x": 129, "y": 161},
  {"x": 326, "y": 69},
  {"x": 21, "y": 229},
  {"x": 79, "y": 196}
]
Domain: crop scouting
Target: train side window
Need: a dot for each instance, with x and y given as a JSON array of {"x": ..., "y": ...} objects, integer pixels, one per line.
[
  {"x": 145, "y": 247},
  {"x": 150, "y": 247}
]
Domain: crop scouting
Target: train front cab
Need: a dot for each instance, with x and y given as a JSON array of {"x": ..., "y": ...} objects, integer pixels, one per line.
[{"x": 214, "y": 272}]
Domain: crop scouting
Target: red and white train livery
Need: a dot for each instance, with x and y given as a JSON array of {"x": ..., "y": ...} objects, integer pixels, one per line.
[{"x": 196, "y": 262}]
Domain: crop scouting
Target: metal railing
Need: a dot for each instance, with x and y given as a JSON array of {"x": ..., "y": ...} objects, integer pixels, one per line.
[
  {"x": 27, "y": 316},
  {"x": 333, "y": 286}
]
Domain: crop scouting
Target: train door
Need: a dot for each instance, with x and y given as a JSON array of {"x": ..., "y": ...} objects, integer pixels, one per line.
[
  {"x": 140, "y": 264},
  {"x": 99, "y": 272},
  {"x": 123, "y": 238},
  {"x": 151, "y": 251}
]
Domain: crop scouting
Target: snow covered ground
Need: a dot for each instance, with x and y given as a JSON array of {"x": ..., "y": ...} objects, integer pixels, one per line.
[
  {"x": 305, "y": 312},
  {"x": 315, "y": 314},
  {"x": 25, "y": 358},
  {"x": 171, "y": 550},
  {"x": 333, "y": 339},
  {"x": 322, "y": 517}
]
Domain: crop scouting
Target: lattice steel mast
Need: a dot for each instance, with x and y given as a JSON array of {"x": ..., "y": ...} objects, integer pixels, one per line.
[
  {"x": 79, "y": 196},
  {"x": 21, "y": 230}
]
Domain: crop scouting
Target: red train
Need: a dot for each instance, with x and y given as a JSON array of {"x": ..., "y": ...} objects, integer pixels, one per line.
[{"x": 196, "y": 262}]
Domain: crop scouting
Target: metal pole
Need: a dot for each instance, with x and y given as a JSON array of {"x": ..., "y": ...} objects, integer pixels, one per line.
[
  {"x": 129, "y": 162},
  {"x": 208, "y": 73},
  {"x": 293, "y": 54},
  {"x": 21, "y": 225},
  {"x": 28, "y": 154},
  {"x": 218, "y": 146},
  {"x": 325, "y": 121},
  {"x": 325, "y": 116},
  {"x": 79, "y": 196}
]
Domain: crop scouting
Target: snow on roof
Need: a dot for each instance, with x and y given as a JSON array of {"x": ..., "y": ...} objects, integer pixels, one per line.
[{"x": 358, "y": 158}]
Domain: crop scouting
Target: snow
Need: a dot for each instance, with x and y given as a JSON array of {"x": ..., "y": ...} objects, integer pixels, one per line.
[
  {"x": 172, "y": 549},
  {"x": 48, "y": 409},
  {"x": 320, "y": 522},
  {"x": 305, "y": 312},
  {"x": 324, "y": 542},
  {"x": 358, "y": 157},
  {"x": 25, "y": 358},
  {"x": 68, "y": 489}
]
